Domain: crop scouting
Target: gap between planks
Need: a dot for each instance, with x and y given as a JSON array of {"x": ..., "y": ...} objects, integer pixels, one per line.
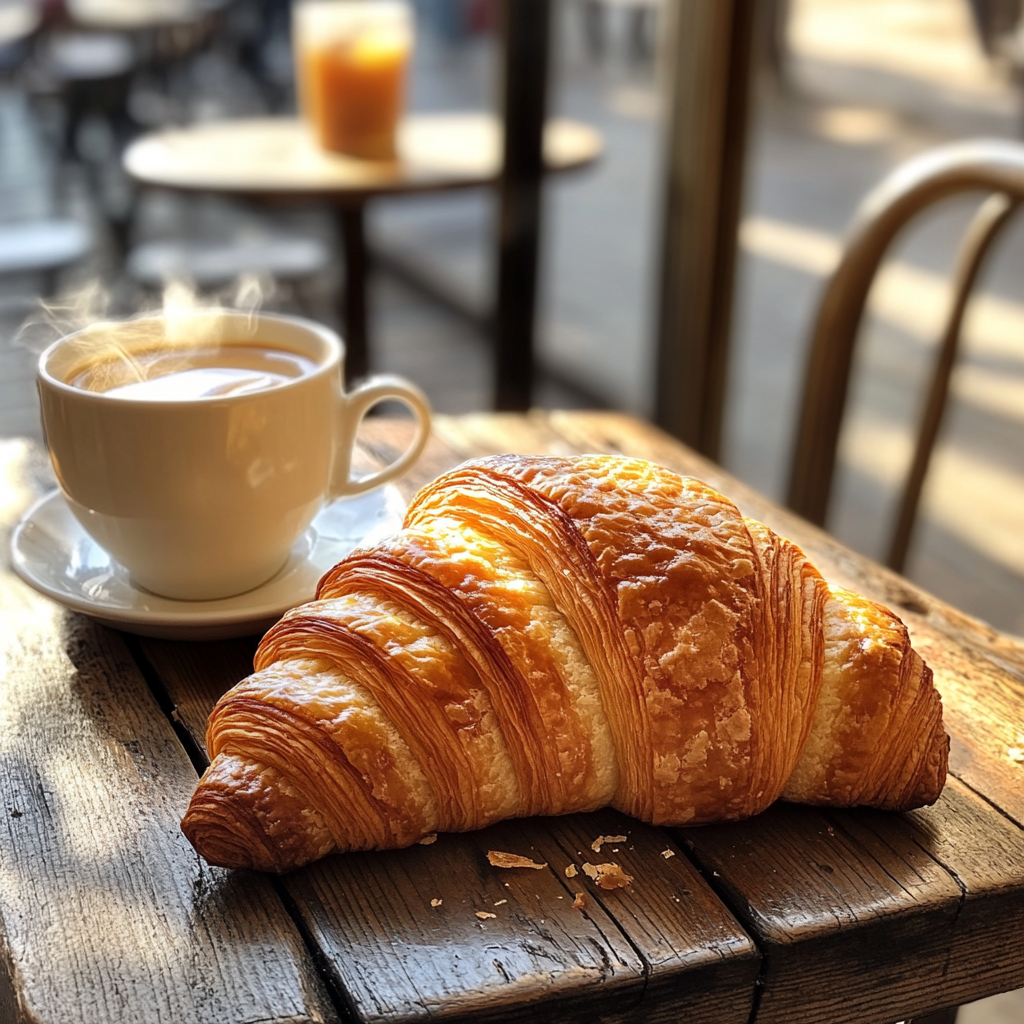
[{"x": 197, "y": 756}]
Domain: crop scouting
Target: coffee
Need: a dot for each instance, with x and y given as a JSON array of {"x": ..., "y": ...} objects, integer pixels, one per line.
[
  {"x": 186, "y": 374},
  {"x": 204, "y": 498}
]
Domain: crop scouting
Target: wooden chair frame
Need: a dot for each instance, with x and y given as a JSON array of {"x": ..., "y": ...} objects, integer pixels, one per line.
[{"x": 996, "y": 167}]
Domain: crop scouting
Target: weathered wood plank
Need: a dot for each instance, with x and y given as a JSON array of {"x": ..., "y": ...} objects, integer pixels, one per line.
[
  {"x": 845, "y": 931},
  {"x": 984, "y": 851},
  {"x": 983, "y": 709},
  {"x": 664, "y": 946},
  {"x": 717, "y": 959},
  {"x": 195, "y": 675},
  {"x": 868, "y": 916},
  {"x": 636, "y": 954},
  {"x": 400, "y": 959},
  {"x": 106, "y": 913}
]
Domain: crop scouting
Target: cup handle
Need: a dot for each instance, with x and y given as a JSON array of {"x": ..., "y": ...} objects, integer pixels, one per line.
[{"x": 356, "y": 404}]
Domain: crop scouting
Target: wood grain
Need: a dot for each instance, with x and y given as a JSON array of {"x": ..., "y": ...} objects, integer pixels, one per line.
[
  {"x": 661, "y": 950},
  {"x": 664, "y": 946},
  {"x": 866, "y": 916},
  {"x": 106, "y": 913},
  {"x": 832, "y": 919},
  {"x": 400, "y": 959},
  {"x": 687, "y": 938}
]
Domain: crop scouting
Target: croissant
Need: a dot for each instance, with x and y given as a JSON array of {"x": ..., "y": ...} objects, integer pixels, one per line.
[{"x": 550, "y": 635}]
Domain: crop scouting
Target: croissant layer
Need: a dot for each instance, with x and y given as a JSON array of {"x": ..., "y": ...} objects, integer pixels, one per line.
[{"x": 549, "y": 635}]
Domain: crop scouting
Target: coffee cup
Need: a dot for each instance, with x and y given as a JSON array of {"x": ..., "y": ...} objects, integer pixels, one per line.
[{"x": 197, "y": 448}]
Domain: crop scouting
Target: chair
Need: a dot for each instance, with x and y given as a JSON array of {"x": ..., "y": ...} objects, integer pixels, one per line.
[
  {"x": 993, "y": 167},
  {"x": 42, "y": 246}
]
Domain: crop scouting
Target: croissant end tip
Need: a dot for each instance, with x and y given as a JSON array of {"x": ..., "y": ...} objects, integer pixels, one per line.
[{"x": 223, "y": 840}]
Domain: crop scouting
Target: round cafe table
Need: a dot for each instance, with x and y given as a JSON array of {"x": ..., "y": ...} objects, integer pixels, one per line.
[
  {"x": 277, "y": 160},
  {"x": 131, "y": 15}
]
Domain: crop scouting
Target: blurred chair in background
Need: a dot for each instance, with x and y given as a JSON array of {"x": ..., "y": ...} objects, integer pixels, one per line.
[
  {"x": 43, "y": 247},
  {"x": 91, "y": 72},
  {"x": 37, "y": 237},
  {"x": 994, "y": 167}
]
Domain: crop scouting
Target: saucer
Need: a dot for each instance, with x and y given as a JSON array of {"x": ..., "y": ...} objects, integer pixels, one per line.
[{"x": 54, "y": 555}]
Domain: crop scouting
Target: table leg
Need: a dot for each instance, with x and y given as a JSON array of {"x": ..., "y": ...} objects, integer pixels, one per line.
[
  {"x": 352, "y": 227},
  {"x": 525, "y": 26}
]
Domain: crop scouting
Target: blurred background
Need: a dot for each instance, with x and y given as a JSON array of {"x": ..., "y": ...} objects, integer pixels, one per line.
[{"x": 843, "y": 91}]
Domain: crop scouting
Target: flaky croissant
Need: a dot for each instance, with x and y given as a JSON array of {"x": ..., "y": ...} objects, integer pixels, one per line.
[{"x": 549, "y": 635}]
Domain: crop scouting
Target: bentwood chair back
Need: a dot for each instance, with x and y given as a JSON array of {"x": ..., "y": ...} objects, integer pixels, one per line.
[{"x": 995, "y": 168}]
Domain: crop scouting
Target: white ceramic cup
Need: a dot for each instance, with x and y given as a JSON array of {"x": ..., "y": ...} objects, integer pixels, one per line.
[{"x": 203, "y": 498}]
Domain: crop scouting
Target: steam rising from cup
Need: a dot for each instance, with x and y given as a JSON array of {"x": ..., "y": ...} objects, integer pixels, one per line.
[{"x": 121, "y": 356}]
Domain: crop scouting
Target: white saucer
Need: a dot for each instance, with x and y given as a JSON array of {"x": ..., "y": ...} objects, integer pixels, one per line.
[{"x": 52, "y": 553}]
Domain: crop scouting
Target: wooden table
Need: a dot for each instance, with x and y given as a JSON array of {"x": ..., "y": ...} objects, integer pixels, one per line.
[
  {"x": 797, "y": 916},
  {"x": 275, "y": 160}
]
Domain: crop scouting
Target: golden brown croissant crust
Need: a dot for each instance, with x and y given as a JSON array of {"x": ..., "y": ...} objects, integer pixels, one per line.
[{"x": 549, "y": 635}]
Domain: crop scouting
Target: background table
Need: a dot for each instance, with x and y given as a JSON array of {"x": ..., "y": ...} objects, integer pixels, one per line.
[
  {"x": 133, "y": 15},
  {"x": 800, "y": 915},
  {"x": 277, "y": 160}
]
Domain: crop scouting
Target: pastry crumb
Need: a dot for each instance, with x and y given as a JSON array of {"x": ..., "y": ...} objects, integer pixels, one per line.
[
  {"x": 427, "y": 840},
  {"x": 484, "y": 915},
  {"x": 607, "y": 876},
  {"x": 601, "y": 840},
  {"x": 668, "y": 853},
  {"x": 512, "y": 860},
  {"x": 435, "y": 903},
  {"x": 500, "y": 902},
  {"x": 580, "y": 902},
  {"x": 571, "y": 872},
  {"x": 1016, "y": 754}
]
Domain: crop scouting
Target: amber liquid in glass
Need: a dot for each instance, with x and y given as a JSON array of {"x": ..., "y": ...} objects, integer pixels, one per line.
[{"x": 354, "y": 91}]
